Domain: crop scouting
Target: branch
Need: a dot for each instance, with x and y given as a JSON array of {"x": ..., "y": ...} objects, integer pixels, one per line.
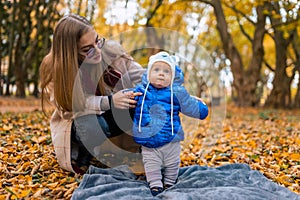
[
  {"x": 209, "y": 2},
  {"x": 239, "y": 12},
  {"x": 243, "y": 30},
  {"x": 268, "y": 65},
  {"x": 238, "y": 19},
  {"x": 152, "y": 14}
]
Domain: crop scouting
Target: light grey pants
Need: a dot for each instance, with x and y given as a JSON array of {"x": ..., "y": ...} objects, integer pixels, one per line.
[{"x": 166, "y": 158}]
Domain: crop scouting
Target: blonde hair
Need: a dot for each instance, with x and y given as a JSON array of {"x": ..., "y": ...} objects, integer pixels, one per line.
[{"x": 61, "y": 64}]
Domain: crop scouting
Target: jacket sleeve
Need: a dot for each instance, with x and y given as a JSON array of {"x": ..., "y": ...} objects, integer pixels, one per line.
[
  {"x": 97, "y": 103},
  {"x": 189, "y": 105}
]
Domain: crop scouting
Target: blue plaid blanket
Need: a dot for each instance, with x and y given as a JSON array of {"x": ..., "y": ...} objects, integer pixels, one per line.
[{"x": 228, "y": 182}]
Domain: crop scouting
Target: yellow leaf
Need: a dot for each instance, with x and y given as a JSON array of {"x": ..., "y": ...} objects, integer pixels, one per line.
[
  {"x": 7, "y": 127},
  {"x": 40, "y": 139},
  {"x": 295, "y": 157},
  {"x": 285, "y": 180},
  {"x": 52, "y": 185},
  {"x": 71, "y": 185},
  {"x": 24, "y": 193},
  {"x": 269, "y": 175},
  {"x": 38, "y": 193},
  {"x": 3, "y": 196}
]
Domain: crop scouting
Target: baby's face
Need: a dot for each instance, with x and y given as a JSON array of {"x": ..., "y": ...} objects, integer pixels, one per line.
[{"x": 160, "y": 75}]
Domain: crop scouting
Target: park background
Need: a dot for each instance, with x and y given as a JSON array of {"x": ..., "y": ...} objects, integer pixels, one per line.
[{"x": 253, "y": 45}]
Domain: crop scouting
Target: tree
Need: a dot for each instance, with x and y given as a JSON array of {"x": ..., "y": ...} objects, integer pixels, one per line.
[
  {"x": 245, "y": 78},
  {"x": 281, "y": 93},
  {"x": 296, "y": 61},
  {"x": 11, "y": 47},
  {"x": 3, "y": 15},
  {"x": 22, "y": 54},
  {"x": 235, "y": 31},
  {"x": 27, "y": 30},
  {"x": 45, "y": 17}
]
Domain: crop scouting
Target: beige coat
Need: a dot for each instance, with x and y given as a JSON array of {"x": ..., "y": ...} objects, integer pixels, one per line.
[{"x": 60, "y": 123}]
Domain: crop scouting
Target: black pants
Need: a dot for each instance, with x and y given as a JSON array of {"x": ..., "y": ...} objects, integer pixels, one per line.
[{"x": 90, "y": 131}]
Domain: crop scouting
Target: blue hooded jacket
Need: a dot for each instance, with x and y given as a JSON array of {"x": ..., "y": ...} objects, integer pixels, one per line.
[{"x": 153, "y": 125}]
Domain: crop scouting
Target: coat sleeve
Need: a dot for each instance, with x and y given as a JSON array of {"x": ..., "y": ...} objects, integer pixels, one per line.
[
  {"x": 189, "y": 105},
  {"x": 97, "y": 103}
]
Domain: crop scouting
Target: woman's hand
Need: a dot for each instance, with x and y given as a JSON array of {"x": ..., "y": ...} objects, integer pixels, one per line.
[{"x": 124, "y": 99}]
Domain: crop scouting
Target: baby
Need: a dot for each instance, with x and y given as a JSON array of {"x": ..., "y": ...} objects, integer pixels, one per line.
[{"x": 157, "y": 125}]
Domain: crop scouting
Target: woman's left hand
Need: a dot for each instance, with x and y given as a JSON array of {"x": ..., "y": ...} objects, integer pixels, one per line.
[{"x": 124, "y": 99}]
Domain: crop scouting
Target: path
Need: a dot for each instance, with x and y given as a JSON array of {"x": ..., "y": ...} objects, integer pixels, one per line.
[{"x": 13, "y": 104}]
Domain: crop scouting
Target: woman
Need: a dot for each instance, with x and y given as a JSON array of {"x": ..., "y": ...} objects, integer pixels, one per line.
[{"x": 84, "y": 76}]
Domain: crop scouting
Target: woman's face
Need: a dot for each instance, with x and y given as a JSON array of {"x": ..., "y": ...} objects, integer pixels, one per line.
[{"x": 90, "y": 45}]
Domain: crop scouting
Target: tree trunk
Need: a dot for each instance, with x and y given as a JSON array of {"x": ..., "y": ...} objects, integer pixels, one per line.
[
  {"x": 40, "y": 31},
  {"x": 1, "y": 78},
  {"x": 230, "y": 51},
  {"x": 20, "y": 51},
  {"x": 296, "y": 103},
  {"x": 244, "y": 81},
  {"x": 46, "y": 20},
  {"x": 297, "y": 97},
  {"x": 79, "y": 7},
  {"x": 92, "y": 13},
  {"x": 280, "y": 96},
  {"x": 10, "y": 49},
  {"x": 296, "y": 49},
  {"x": 252, "y": 74},
  {"x": 154, "y": 42}
]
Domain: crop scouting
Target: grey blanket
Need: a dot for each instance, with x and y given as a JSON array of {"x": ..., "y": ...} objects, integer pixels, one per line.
[{"x": 234, "y": 181}]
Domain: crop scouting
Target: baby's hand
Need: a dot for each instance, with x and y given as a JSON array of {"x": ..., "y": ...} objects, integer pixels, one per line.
[{"x": 199, "y": 99}]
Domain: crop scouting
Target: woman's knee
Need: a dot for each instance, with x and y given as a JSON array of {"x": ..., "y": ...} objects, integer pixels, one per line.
[{"x": 89, "y": 126}]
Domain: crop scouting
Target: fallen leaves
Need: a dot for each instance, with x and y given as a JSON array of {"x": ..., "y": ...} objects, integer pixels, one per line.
[
  {"x": 267, "y": 140},
  {"x": 28, "y": 165}
]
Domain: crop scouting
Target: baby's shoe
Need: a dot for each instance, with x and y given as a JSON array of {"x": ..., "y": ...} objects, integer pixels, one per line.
[
  {"x": 156, "y": 190},
  {"x": 167, "y": 186}
]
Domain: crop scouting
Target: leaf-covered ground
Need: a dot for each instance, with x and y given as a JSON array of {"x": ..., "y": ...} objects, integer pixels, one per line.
[{"x": 267, "y": 140}]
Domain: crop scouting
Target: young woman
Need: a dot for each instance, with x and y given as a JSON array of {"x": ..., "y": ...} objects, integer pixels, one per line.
[{"x": 84, "y": 76}]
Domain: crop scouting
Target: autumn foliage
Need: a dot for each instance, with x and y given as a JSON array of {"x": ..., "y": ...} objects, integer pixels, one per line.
[{"x": 267, "y": 140}]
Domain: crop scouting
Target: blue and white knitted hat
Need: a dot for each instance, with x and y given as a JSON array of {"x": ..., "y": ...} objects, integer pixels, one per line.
[{"x": 163, "y": 57}]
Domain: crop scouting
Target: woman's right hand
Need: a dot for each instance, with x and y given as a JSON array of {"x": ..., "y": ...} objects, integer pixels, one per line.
[{"x": 124, "y": 99}]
